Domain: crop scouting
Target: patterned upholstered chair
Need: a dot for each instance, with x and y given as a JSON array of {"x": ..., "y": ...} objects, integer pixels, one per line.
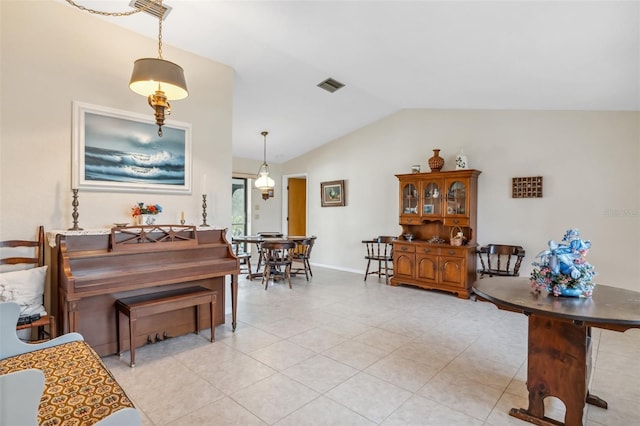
[{"x": 34, "y": 396}]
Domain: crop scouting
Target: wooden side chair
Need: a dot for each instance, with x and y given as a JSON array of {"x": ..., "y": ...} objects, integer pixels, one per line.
[
  {"x": 380, "y": 251},
  {"x": 270, "y": 234},
  {"x": 500, "y": 260},
  {"x": 266, "y": 234},
  {"x": 243, "y": 256},
  {"x": 277, "y": 257},
  {"x": 26, "y": 286},
  {"x": 301, "y": 255}
]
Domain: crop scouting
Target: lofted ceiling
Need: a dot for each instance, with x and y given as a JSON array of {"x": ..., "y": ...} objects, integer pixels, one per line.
[{"x": 391, "y": 55}]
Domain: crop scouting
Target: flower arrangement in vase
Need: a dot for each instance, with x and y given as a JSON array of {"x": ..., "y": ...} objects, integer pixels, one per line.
[
  {"x": 145, "y": 214},
  {"x": 563, "y": 269}
]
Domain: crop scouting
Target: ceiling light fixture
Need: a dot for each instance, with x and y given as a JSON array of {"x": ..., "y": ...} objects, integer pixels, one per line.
[
  {"x": 159, "y": 80},
  {"x": 264, "y": 182}
]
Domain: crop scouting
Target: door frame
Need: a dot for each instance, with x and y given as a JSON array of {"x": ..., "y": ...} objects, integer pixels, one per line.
[{"x": 285, "y": 199}]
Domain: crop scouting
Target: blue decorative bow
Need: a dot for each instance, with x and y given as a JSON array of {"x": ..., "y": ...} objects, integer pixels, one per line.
[{"x": 561, "y": 257}]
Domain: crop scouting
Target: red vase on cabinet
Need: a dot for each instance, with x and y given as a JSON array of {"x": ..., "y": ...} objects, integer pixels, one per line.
[{"x": 436, "y": 163}]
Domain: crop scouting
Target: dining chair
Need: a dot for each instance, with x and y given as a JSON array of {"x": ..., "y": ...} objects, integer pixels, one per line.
[
  {"x": 277, "y": 257},
  {"x": 266, "y": 234},
  {"x": 500, "y": 260},
  {"x": 270, "y": 234},
  {"x": 243, "y": 256},
  {"x": 301, "y": 255},
  {"x": 26, "y": 286},
  {"x": 380, "y": 251}
]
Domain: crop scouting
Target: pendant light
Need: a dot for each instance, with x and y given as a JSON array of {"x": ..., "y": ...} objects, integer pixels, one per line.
[
  {"x": 159, "y": 80},
  {"x": 264, "y": 182}
]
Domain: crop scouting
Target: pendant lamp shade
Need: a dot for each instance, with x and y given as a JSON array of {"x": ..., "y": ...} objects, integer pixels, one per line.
[
  {"x": 264, "y": 182},
  {"x": 152, "y": 74},
  {"x": 158, "y": 80}
]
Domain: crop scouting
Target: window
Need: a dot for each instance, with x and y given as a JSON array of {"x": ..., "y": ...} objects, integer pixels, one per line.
[{"x": 239, "y": 206}]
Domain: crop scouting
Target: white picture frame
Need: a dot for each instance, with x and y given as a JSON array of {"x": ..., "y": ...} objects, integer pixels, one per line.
[{"x": 115, "y": 150}]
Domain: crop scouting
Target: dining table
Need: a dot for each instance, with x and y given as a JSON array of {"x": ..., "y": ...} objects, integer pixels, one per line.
[
  {"x": 257, "y": 240},
  {"x": 559, "y": 334}
]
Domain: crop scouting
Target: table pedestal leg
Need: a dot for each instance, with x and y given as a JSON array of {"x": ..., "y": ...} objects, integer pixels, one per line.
[{"x": 558, "y": 365}]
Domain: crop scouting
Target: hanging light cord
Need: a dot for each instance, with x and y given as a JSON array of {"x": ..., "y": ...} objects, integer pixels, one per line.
[
  {"x": 160, "y": 35},
  {"x": 131, "y": 12},
  {"x": 128, "y": 13},
  {"x": 265, "y": 146}
]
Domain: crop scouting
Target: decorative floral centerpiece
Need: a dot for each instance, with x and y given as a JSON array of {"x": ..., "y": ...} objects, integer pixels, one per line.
[
  {"x": 563, "y": 269},
  {"x": 141, "y": 208},
  {"x": 145, "y": 214}
]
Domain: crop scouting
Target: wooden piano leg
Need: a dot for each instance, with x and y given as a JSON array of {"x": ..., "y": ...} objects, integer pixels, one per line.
[
  {"x": 119, "y": 342},
  {"x": 234, "y": 300},
  {"x": 197, "y": 319},
  {"x": 212, "y": 314},
  {"x": 133, "y": 319}
]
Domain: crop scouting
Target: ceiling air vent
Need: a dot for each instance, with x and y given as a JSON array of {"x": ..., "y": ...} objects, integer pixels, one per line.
[
  {"x": 151, "y": 8},
  {"x": 330, "y": 85}
]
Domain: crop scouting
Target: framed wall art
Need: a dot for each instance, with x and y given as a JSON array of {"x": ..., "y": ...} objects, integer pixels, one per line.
[
  {"x": 121, "y": 151},
  {"x": 332, "y": 193}
]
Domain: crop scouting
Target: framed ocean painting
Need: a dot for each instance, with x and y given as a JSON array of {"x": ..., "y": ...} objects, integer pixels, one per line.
[{"x": 121, "y": 151}]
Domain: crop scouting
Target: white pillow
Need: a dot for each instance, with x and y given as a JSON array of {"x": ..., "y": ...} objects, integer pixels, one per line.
[{"x": 24, "y": 287}]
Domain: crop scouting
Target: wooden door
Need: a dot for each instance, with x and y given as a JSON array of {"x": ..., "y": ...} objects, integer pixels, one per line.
[
  {"x": 297, "y": 208},
  {"x": 453, "y": 271},
  {"x": 403, "y": 265},
  {"x": 427, "y": 268}
]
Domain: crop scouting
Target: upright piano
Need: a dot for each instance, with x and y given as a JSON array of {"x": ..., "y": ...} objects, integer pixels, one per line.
[{"x": 94, "y": 270}]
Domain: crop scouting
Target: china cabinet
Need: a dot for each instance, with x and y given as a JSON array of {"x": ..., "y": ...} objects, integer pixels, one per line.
[{"x": 434, "y": 207}]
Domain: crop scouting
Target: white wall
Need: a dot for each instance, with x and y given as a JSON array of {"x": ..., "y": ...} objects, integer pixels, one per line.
[
  {"x": 53, "y": 54},
  {"x": 589, "y": 162}
]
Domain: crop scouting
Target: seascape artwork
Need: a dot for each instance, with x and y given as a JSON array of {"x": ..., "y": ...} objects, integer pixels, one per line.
[{"x": 118, "y": 150}]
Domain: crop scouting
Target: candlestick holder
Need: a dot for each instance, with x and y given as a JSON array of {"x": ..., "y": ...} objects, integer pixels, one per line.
[
  {"x": 181, "y": 221},
  {"x": 204, "y": 210},
  {"x": 75, "y": 214}
]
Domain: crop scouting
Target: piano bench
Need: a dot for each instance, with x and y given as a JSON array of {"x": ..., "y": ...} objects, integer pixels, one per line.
[{"x": 135, "y": 307}]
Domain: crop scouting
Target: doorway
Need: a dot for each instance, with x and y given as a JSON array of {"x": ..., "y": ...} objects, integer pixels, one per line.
[{"x": 295, "y": 205}]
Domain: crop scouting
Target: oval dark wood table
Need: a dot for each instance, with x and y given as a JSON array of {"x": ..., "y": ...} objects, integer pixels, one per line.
[{"x": 559, "y": 354}]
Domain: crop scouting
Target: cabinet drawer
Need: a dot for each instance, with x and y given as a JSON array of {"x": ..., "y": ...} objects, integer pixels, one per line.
[
  {"x": 453, "y": 252},
  {"x": 409, "y": 220},
  {"x": 427, "y": 250},
  {"x": 404, "y": 248},
  {"x": 456, "y": 221}
]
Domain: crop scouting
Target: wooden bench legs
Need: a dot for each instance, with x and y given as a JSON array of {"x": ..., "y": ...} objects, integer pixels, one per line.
[{"x": 135, "y": 307}]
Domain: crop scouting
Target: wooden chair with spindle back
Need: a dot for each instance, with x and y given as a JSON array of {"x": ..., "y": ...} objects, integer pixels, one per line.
[
  {"x": 26, "y": 286},
  {"x": 500, "y": 260},
  {"x": 380, "y": 251},
  {"x": 302, "y": 254},
  {"x": 243, "y": 256},
  {"x": 277, "y": 256}
]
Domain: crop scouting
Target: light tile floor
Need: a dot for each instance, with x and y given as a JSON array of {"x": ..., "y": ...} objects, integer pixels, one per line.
[{"x": 338, "y": 351}]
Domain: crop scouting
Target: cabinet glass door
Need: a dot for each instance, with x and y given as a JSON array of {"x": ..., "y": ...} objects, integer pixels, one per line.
[
  {"x": 457, "y": 198},
  {"x": 431, "y": 199},
  {"x": 409, "y": 199}
]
